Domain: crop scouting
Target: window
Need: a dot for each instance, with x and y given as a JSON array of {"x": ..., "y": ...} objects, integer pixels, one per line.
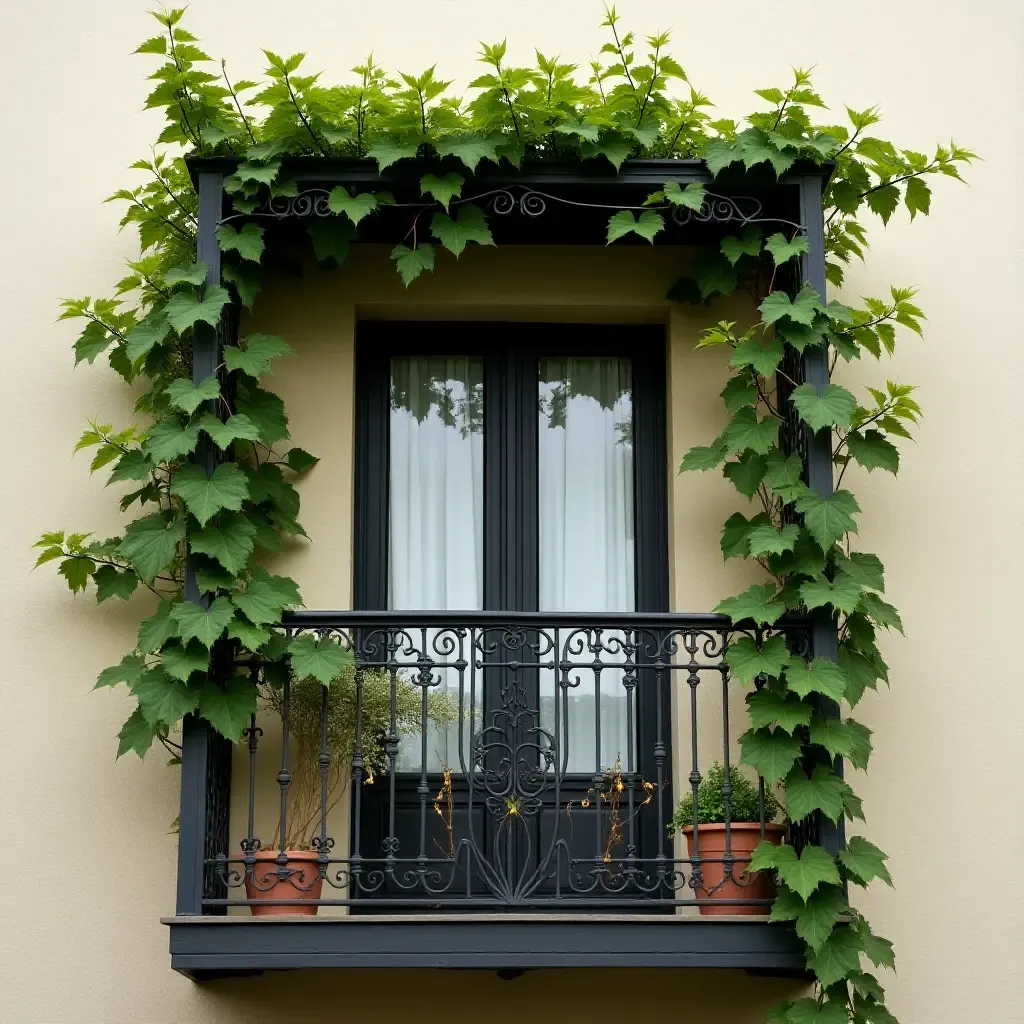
[{"x": 520, "y": 467}]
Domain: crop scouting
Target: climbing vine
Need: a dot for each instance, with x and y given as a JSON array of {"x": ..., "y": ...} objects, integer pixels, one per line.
[{"x": 210, "y": 470}]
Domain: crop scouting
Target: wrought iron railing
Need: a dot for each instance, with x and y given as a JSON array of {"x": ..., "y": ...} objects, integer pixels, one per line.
[{"x": 496, "y": 760}]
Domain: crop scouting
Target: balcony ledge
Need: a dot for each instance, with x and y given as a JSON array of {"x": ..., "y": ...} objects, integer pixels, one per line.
[{"x": 208, "y": 947}]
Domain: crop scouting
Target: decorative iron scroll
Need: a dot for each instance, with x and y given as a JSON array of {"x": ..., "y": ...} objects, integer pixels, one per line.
[
  {"x": 529, "y": 202},
  {"x": 513, "y": 820}
]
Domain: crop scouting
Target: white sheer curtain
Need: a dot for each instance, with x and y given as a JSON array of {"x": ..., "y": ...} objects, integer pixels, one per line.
[
  {"x": 586, "y": 533},
  {"x": 436, "y": 514}
]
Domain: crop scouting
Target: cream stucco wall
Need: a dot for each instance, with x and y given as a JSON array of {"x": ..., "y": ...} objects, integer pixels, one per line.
[{"x": 79, "y": 934}]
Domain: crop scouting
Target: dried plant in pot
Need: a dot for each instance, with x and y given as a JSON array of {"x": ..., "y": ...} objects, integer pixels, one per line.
[
  {"x": 355, "y": 695},
  {"x": 714, "y": 843}
]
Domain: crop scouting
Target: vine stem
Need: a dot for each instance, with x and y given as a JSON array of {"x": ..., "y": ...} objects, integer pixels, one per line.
[{"x": 234, "y": 96}]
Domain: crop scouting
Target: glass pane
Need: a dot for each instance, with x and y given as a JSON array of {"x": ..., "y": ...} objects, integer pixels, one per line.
[
  {"x": 436, "y": 515},
  {"x": 586, "y": 539}
]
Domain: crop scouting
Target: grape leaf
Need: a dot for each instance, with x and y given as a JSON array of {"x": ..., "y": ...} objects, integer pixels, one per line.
[
  {"x": 759, "y": 602},
  {"x": 444, "y": 190},
  {"x": 842, "y": 593},
  {"x": 129, "y": 669},
  {"x": 783, "y": 250},
  {"x": 748, "y": 661},
  {"x": 163, "y": 700},
  {"x": 470, "y": 149},
  {"x": 168, "y": 439},
  {"x": 823, "y": 908},
  {"x": 205, "y": 496},
  {"x": 151, "y": 543},
  {"x": 823, "y": 791},
  {"x": 228, "y": 706},
  {"x": 833, "y": 406},
  {"x": 388, "y": 151},
  {"x": 647, "y": 225},
  {"x": 470, "y": 225},
  {"x": 746, "y": 473},
  {"x": 255, "y": 358},
  {"x": 733, "y": 247},
  {"x": 767, "y": 540},
  {"x": 186, "y": 396},
  {"x": 412, "y": 262},
  {"x": 874, "y": 451},
  {"x": 111, "y": 582},
  {"x": 786, "y": 710},
  {"x": 820, "y": 675},
  {"x": 248, "y": 242},
  {"x": 136, "y": 734},
  {"x": 745, "y": 430},
  {"x": 864, "y": 861},
  {"x": 804, "y": 873},
  {"x": 266, "y": 596},
  {"x": 802, "y": 309},
  {"x": 828, "y": 518},
  {"x": 204, "y": 624},
  {"x": 235, "y": 428},
  {"x": 323, "y": 660},
  {"x": 770, "y": 753},
  {"x": 837, "y": 957},
  {"x": 186, "y": 309},
  {"x": 230, "y": 542},
  {"x": 762, "y": 354},
  {"x": 355, "y": 207}
]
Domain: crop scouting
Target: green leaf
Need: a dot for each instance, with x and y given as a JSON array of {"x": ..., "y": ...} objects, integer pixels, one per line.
[
  {"x": 470, "y": 225},
  {"x": 133, "y": 465},
  {"x": 230, "y": 542},
  {"x": 299, "y": 460},
  {"x": 146, "y": 335},
  {"x": 235, "y": 428},
  {"x": 745, "y": 431},
  {"x": 802, "y": 310},
  {"x": 248, "y": 242},
  {"x": 759, "y": 602},
  {"x": 323, "y": 659},
  {"x": 390, "y": 150},
  {"x": 136, "y": 734},
  {"x": 151, "y": 543},
  {"x": 193, "y": 274},
  {"x": 266, "y": 596},
  {"x": 736, "y": 534},
  {"x": 162, "y": 700},
  {"x": 714, "y": 274},
  {"x": 692, "y": 197},
  {"x": 77, "y": 571},
  {"x": 111, "y": 582},
  {"x": 702, "y": 459},
  {"x": 823, "y": 908},
  {"x": 784, "y": 475},
  {"x": 803, "y": 874},
  {"x": 819, "y": 675},
  {"x": 229, "y": 706},
  {"x": 873, "y": 451},
  {"x": 156, "y": 630},
  {"x": 918, "y": 197},
  {"x": 767, "y": 540},
  {"x": 646, "y": 226},
  {"x": 842, "y": 593},
  {"x": 181, "y": 661},
  {"x": 211, "y": 576},
  {"x": 839, "y": 738},
  {"x": 770, "y": 753},
  {"x": 205, "y": 496},
  {"x": 266, "y": 411},
  {"x": 762, "y": 354},
  {"x": 331, "y": 240},
  {"x": 786, "y": 710},
  {"x": 828, "y": 519},
  {"x": 884, "y": 201},
  {"x": 734, "y": 248},
  {"x": 746, "y": 473},
  {"x": 782, "y": 250},
  {"x": 204, "y": 624},
  {"x": 876, "y": 949},
  {"x": 129, "y": 670},
  {"x": 809, "y": 1011},
  {"x": 355, "y": 207},
  {"x": 864, "y": 862},
  {"x": 93, "y": 341},
  {"x": 185, "y": 309},
  {"x": 748, "y": 661},
  {"x": 823, "y": 791},
  {"x": 470, "y": 149},
  {"x": 186, "y": 396},
  {"x": 169, "y": 440},
  {"x": 444, "y": 190},
  {"x": 786, "y": 906},
  {"x": 862, "y": 566},
  {"x": 719, "y": 154},
  {"x": 860, "y": 672},
  {"x": 255, "y": 358},
  {"x": 883, "y": 613},
  {"x": 838, "y": 956},
  {"x": 570, "y": 126},
  {"x": 252, "y": 637},
  {"x": 833, "y": 406},
  {"x": 739, "y": 392},
  {"x": 412, "y": 262}
]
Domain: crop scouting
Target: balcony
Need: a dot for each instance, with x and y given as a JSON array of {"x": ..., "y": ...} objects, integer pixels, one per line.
[{"x": 483, "y": 789}]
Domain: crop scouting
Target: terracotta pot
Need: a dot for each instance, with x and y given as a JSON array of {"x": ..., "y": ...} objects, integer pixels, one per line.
[
  {"x": 305, "y": 883},
  {"x": 742, "y": 885}
]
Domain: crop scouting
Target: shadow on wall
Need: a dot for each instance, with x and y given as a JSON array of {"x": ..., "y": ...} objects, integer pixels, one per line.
[{"x": 609, "y": 996}]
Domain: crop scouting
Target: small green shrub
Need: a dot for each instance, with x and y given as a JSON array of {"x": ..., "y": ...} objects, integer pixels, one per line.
[{"x": 743, "y": 801}]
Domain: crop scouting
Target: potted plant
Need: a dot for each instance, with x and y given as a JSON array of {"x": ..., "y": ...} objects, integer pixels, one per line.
[
  {"x": 300, "y": 877},
  {"x": 718, "y": 880}
]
